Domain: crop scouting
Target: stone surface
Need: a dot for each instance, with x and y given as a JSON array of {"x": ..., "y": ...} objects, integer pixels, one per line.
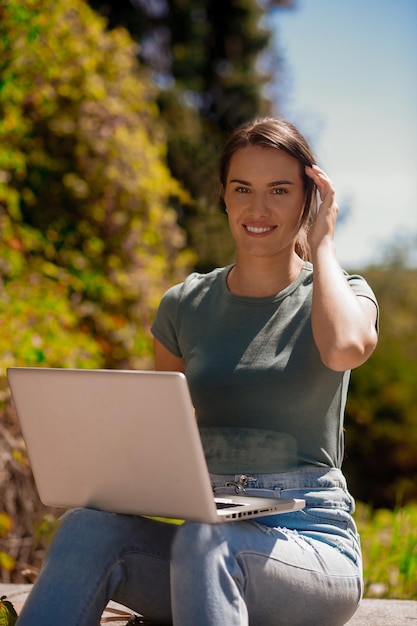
[
  {"x": 370, "y": 612},
  {"x": 385, "y": 613}
]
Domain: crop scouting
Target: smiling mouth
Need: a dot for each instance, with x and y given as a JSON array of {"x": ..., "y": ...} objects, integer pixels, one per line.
[{"x": 259, "y": 230}]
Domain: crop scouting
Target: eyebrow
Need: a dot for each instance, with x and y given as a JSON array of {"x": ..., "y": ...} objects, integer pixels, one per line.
[{"x": 275, "y": 183}]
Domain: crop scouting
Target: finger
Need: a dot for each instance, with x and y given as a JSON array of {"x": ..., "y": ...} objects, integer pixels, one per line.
[
  {"x": 317, "y": 174},
  {"x": 324, "y": 184}
]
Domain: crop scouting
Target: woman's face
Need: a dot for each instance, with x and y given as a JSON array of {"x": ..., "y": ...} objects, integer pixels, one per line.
[{"x": 264, "y": 197}]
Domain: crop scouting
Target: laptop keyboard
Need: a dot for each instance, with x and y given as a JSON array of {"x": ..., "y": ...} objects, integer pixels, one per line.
[{"x": 227, "y": 505}]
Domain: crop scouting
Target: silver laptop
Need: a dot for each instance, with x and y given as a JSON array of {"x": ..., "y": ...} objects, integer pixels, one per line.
[{"x": 122, "y": 441}]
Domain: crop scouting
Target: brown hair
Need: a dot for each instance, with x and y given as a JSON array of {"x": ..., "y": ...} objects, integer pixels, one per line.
[{"x": 274, "y": 132}]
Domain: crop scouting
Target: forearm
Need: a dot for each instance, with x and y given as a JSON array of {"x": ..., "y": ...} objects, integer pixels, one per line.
[{"x": 343, "y": 324}]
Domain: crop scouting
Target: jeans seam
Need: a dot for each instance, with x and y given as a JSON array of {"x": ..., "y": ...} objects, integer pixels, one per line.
[
  {"x": 240, "y": 557},
  {"x": 101, "y": 582}
]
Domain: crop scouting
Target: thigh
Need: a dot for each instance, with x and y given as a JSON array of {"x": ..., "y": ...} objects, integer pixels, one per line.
[
  {"x": 96, "y": 556},
  {"x": 127, "y": 555},
  {"x": 293, "y": 580},
  {"x": 145, "y": 586}
]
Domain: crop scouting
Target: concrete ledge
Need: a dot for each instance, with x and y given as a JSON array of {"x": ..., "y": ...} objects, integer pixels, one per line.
[
  {"x": 17, "y": 595},
  {"x": 370, "y": 612},
  {"x": 385, "y": 613}
]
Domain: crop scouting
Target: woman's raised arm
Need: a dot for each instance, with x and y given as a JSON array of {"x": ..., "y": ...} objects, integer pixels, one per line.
[{"x": 344, "y": 324}]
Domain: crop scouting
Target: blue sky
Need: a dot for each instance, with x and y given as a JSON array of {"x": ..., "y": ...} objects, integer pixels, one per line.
[{"x": 350, "y": 85}]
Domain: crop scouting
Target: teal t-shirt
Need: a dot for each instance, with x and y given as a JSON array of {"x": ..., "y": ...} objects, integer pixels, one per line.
[{"x": 264, "y": 400}]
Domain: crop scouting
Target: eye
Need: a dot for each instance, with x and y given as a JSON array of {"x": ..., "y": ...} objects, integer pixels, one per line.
[
  {"x": 242, "y": 189},
  {"x": 279, "y": 191}
]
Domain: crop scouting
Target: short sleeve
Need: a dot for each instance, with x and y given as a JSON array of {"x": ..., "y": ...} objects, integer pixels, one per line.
[
  {"x": 362, "y": 288},
  {"x": 164, "y": 327}
]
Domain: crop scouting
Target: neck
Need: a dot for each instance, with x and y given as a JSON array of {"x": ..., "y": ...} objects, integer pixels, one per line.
[{"x": 262, "y": 277}]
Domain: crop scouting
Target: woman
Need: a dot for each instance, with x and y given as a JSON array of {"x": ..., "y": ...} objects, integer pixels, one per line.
[{"x": 267, "y": 345}]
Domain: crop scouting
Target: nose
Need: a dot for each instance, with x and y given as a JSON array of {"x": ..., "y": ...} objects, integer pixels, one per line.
[{"x": 258, "y": 207}]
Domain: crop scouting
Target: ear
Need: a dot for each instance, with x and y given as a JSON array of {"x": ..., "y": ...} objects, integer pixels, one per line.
[{"x": 221, "y": 198}]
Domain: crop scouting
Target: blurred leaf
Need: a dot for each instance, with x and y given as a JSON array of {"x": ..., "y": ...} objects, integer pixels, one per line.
[
  {"x": 7, "y": 562},
  {"x": 6, "y": 524},
  {"x": 8, "y": 615}
]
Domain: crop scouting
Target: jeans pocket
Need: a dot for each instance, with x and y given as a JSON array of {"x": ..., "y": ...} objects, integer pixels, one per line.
[
  {"x": 335, "y": 527},
  {"x": 333, "y": 498},
  {"x": 327, "y": 518}
]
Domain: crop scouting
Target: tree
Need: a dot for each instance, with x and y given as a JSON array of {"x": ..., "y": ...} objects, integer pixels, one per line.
[
  {"x": 208, "y": 49},
  {"x": 381, "y": 416},
  {"x": 87, "y": 196},
  {"x": 204, "y": 57}
]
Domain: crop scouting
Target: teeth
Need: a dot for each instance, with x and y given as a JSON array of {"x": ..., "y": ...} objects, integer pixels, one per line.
[{"x": 258, "y": 230}]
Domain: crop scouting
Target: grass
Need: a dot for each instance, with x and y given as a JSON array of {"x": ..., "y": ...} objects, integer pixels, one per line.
[{"x": 389, "y": 545}]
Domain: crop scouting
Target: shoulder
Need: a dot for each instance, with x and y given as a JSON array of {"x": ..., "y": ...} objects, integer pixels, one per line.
[
  {"x": 204, "y": 281},
  {"x": 360, "y": 285},
  {"x": 357, "y": 282},
  {"x": 195, "y": 285}
]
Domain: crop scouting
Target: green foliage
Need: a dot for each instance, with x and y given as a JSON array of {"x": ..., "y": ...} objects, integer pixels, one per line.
[
  {"x": 215, "y": 48},
  {"x": 389, "y": 545},
  {"x": 89, "y": 233},
  {"x": 207, "y": 50},
  {"x": 5, "y": 523},
  {"x": 381, "y": 418},
  {"x": 46, "y": 529},
  {"x": 8, "y": 615},
  {"x": 7, "y": 562},
  {"x": 204, "y": 56}
]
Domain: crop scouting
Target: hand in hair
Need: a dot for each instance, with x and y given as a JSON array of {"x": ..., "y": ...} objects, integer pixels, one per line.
[{"x": 323, "y": 228}]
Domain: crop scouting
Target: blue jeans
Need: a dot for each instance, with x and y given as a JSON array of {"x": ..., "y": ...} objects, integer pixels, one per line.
[{"x": 300, "y": 568}]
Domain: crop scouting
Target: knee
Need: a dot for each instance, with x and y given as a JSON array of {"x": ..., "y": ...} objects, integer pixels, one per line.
[
  {"x": 81, "y": 523},
  {"x": 195, "y": 541},
  {"x": 85, "y": 531},
  {"x": 204, "y": 553}
]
